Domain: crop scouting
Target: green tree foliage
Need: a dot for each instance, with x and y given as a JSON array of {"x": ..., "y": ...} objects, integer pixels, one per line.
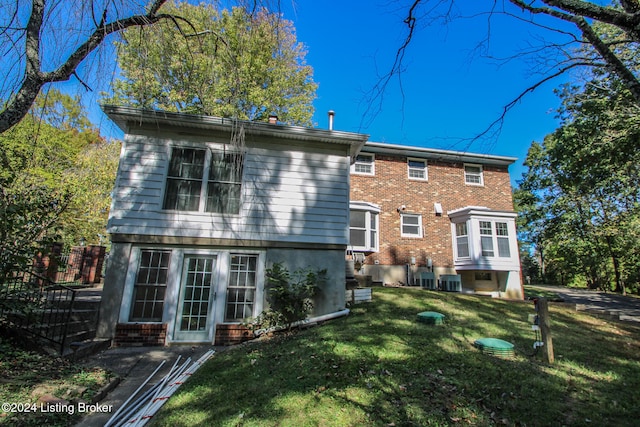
[
  {"x": 229, "y": 64},
  {"x": 56, "y": 174},
  {"x": 580, "y": 198}
]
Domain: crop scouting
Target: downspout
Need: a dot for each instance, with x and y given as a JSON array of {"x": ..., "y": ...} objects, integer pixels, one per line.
[{"x": 308, "y": 321}]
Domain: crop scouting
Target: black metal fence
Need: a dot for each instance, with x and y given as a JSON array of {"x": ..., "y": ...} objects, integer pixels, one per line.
[{"x": 33, "y": 303}]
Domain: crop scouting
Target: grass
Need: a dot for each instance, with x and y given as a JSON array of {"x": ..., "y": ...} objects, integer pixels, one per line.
[
  {"x": 531, "y": 292},
  {"x": 381, "y": 367},
  {"x": 27, "y": 376}
]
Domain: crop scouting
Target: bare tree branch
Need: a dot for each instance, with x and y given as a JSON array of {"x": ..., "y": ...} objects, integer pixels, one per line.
[
  {"x": 584, "y": 47},
  {"x": 34, "y": 78}
]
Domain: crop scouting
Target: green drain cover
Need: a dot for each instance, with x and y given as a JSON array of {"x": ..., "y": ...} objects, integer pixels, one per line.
[
  {"x": 431, "y": 318},
  {"x": 495, "y": 346}
]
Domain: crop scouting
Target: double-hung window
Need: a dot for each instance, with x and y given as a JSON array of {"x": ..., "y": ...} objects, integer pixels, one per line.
[
  {"x": 204, "y": 180},
  {"x": 411, "y": 225},
  {"x": 241, "y": 292},
  {"x": 417, "y": 169},
  {"x": 224, "y": 186},
  {"x": 184, "y": 180},
  {"x": 473, "y": 175},
  {"x": 462, "y": 240},
  {"x": 364, "y": 164},
  {"x": 486, "y": 238},
  {"x": 502, "y": 236},
  {"x": 494, "y": 232}
]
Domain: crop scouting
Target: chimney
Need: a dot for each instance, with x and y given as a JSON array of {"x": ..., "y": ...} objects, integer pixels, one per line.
[
  {"x": 273, "y": 119},
  {"x": 331, "y": 116}
]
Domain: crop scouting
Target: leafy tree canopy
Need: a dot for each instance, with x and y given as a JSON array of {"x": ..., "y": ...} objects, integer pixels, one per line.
[
  {"x": 229, "y": 64},
  {"x": 56, "y": 175},
  {"x": 580, "y": 199}
]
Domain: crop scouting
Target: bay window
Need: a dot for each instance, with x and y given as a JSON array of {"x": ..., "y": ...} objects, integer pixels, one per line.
[{"x": 363, "y": 226}]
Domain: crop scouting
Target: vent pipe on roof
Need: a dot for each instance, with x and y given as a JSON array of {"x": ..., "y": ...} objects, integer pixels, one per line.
[
  {"x": 273, "y": 119},
  {"x": 331, "y": 114}
]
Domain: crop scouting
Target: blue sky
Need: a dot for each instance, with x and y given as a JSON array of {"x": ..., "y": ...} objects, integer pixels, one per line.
[{"x": 448, "y": 94}]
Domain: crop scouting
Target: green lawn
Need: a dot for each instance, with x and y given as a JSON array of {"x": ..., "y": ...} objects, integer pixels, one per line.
[
  {"x": 379, "y": 366},
  {"x": 531, "y": 291}
]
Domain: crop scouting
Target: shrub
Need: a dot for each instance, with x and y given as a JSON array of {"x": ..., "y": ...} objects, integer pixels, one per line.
[{"x": 289, "y": 295}]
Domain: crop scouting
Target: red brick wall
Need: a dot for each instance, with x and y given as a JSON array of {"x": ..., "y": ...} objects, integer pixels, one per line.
[
  {"x": 140, "y": 334},
  {"x": 232, "y": 334},
  {"x": 391, "y": 188}
]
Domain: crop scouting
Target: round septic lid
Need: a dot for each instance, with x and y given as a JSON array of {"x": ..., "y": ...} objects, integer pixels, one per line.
[
  {"x": 494, "y": 346},
  {"x": 431, "y": 317}
]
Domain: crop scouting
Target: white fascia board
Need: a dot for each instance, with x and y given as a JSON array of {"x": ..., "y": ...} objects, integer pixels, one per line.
[
  {"x": 479, "y": 211},
  {"x": 436, "y": 154}
]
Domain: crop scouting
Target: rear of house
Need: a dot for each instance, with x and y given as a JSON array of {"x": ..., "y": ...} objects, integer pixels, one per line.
[
  {"x": 421, "y": 216},
  {"x": 203, "y": 206}
]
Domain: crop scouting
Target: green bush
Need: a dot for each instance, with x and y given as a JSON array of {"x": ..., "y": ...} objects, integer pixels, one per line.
[{"x": 289, "y": 295}]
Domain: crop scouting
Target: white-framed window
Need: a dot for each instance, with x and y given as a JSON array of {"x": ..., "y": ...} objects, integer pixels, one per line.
[
  {"x": 502, "y": 237},
  {"x": 494, "y": 234},
  {"x": 411, "y": 225},
  {"x": 473, "y": 174},
  {"x": 462, "y": 240},
  {"x": 150, "y": 286},
  {"x": 486, "y": 238},
  {"x": 364, "y": 165},
  {"x": 417, "y": 169},
  {"x": 241, "y": 290},
  {"x": 205, "y": 180},
  {"x": 363, "y": 230}
]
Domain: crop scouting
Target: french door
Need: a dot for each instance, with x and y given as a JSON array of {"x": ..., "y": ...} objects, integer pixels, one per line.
[{"x": 195, "y": 314}]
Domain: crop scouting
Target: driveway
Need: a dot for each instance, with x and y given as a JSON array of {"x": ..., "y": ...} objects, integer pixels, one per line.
[{"x": 615, "y": 305}]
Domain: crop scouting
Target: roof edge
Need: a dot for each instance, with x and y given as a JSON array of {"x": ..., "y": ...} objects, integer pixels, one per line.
[
  {"x": 127, "y": 117},
  {"x": 437, "y": 154}
]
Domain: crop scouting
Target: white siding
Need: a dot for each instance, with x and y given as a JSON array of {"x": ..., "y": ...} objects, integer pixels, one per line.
[{"x": 290, "y": 193}]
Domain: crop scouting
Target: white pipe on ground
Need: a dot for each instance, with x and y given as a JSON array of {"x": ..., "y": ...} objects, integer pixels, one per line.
[{"x": 308, "y": 321}]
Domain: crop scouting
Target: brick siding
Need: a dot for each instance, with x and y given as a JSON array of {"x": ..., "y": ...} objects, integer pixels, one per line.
[
  {"x": 232, "y": 334},
  {"x": 391, "y": 188},
  {"x": 140, "y": 334}
]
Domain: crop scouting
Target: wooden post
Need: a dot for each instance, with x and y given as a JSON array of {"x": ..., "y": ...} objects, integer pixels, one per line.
[{"x": 545, "y": 330}]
